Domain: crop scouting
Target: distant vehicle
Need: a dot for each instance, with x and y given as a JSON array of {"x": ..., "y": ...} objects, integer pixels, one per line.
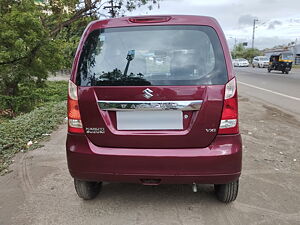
[
  {"x": 281, "y": 62},
  {"x": 240, "y": 62},
  {"x": 260, "y": 61}
]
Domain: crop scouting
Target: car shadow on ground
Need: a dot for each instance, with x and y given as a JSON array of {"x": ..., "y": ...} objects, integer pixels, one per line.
[{"x": 139, "y": 194}]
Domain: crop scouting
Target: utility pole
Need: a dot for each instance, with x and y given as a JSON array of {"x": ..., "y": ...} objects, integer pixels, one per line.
[
  {"x": 253, "y": 33},
  {"x": 112, "y": 8}
]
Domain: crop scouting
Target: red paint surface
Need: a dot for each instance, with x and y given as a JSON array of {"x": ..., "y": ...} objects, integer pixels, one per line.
[{"x": 218, "y": 163}]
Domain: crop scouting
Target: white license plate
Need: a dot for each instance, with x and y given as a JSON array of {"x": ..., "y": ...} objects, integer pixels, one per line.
[{"x": 149, "y": 120}]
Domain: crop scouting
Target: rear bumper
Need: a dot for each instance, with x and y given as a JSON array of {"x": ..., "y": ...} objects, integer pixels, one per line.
[{"x": 218, "y": 163}]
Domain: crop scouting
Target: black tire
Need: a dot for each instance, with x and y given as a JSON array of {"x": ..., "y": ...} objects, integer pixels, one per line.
[
  {"x": 227, "y": 192},
  {"x": 86, "y": 189},
  {"x": 287, "y": 72}
]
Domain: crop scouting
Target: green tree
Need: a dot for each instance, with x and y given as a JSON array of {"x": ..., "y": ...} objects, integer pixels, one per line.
[
  {"x": 250, "y": 53},
  {"x": 39, "y": 38},
  {"x": 240, "y": 51}
]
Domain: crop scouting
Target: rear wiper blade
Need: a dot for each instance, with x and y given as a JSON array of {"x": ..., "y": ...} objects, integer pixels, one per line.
[{"x": 129, "y": 57}]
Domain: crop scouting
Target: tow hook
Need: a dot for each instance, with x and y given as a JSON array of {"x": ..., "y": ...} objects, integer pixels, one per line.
[{"x": 194, "y": 187}]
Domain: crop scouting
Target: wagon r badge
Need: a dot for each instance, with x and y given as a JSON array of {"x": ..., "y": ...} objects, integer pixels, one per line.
[
  {"x": 95, "y": 130},
  {"x": 148, "y": 93}
]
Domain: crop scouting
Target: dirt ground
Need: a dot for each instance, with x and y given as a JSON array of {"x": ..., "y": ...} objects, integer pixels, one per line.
[{"x": 40, "y": 189}]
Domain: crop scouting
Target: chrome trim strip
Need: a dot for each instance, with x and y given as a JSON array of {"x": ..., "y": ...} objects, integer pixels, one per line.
[{"x": 150, "y": 105}]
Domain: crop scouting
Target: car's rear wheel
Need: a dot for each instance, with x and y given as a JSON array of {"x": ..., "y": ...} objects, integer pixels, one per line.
[
  {"x": 227, "y": 192},
  {"x": 87, "y": 189}
]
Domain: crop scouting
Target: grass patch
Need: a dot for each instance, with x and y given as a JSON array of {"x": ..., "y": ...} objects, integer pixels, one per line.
[
  {"x": 17, "y": 132},
  {"x": 296, "y": 66}
]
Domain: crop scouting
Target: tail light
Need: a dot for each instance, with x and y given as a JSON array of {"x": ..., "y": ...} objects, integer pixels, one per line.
[
  {"x": 150, "y": 19},
  {"x": 74, "y": 119},
  {"x": 229, "y": 121}
]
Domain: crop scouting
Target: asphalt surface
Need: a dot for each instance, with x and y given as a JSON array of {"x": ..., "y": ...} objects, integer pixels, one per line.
[
  {"x": 281, "y": 90},
  {"x": 39, "y": 189}
]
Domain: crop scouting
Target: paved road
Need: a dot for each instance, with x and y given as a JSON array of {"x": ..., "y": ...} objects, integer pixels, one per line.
[{"x": 275, "y": 88}]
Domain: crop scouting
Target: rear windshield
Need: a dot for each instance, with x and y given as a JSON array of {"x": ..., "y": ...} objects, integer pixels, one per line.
[{"x": 152, "y": 55}]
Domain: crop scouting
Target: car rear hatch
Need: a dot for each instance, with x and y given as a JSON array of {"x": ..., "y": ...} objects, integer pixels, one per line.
[{"x": 151, "y": 86}]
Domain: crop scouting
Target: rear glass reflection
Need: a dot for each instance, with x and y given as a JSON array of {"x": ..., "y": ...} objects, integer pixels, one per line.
[{"x": 152, "y": 55}]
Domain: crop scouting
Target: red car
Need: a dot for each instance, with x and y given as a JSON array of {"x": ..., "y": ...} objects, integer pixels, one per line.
[{"x": 153, "y": 100}]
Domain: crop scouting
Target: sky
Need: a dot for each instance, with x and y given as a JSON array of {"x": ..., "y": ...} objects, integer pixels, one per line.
[{"x": 278, "y": 20}]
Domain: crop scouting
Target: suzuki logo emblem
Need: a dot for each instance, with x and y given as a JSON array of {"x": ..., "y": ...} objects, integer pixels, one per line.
[{"x": 148, "y": 93}]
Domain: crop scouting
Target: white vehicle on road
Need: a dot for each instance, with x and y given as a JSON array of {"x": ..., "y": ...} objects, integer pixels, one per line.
[
  {"x": 240, "y": 62},
  {"x": 260, "y": 62}
]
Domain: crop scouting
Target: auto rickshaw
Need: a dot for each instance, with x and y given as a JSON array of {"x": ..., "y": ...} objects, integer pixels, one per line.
[{"x": 281, "y": 62}]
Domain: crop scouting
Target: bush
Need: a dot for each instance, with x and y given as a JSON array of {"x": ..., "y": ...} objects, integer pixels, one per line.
[
  {"x": 17, "y": 104},
  {"x": 31, "y": 97},
  {"x": 16, "y": 133},
  {"x": 47, "y": 108}
]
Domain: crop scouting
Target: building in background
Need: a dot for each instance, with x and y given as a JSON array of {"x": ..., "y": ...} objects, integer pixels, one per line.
[
  {"x": 296, "y": 52},
  {"x": 293, "y": 48}
]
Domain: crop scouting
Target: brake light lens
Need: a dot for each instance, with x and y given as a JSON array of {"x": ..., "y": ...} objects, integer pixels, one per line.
[
  {"x": 229, "y": 120},
  {"x": 150, "y": 19},
  {"x": 74, "y": 119}
]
